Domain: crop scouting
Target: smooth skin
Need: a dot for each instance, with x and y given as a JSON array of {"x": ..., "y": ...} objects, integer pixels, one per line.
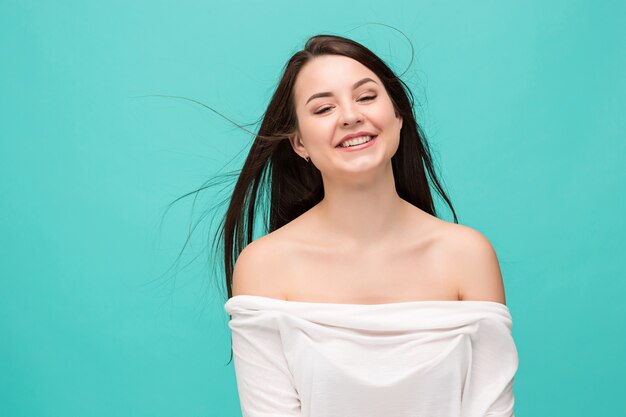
[{"x": 362, "y": 244}]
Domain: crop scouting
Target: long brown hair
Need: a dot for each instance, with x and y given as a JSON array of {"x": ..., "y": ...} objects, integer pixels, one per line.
[{"x": 293, "y": 185}]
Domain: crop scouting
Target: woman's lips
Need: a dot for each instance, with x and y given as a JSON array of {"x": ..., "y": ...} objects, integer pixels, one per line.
[{"x": 358, "y": 147}]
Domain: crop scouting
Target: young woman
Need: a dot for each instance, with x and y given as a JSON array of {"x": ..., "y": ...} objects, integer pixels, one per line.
[{"x": 359, "y": 301}]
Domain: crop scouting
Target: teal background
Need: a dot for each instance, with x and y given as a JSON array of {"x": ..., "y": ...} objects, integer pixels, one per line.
[{"x": 523, "y": 104}]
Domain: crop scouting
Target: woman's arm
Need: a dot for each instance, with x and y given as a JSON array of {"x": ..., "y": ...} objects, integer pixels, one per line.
[{"x": 264, "y": 381}]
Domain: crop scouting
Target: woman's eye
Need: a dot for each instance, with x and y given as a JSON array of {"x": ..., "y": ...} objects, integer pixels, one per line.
[
  {"x": 320, "y": 111},
  {"x": 368, "y": 98}
]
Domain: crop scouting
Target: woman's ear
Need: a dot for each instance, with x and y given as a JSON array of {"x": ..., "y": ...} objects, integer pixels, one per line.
[
  {"x": 399, "y": 117},
  {"x": 297, "y": 145}
]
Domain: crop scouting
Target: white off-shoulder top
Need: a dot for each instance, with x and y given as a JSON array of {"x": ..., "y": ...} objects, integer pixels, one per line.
[{"x": 404, "y": 359}]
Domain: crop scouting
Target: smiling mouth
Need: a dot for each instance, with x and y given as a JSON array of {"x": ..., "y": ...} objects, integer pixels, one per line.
[
  {"x": 358, "y": 147},
  {"x": 356, "y": 141}
]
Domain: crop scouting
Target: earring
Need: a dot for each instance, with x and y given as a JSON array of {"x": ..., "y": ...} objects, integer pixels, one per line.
[{"x": 306, "y": 158}]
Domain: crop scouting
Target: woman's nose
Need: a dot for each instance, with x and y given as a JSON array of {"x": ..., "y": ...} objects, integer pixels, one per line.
[{"x": 351, "y": 115}]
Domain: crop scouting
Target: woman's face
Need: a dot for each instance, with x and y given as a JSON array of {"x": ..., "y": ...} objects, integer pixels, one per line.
[{"x": 352, "y": 100}]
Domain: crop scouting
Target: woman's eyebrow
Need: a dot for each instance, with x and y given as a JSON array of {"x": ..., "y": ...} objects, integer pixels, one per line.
[{"x": 329, "y": 94}]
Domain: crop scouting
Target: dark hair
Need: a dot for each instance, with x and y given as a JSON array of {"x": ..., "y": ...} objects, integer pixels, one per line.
[{"x": 295, "y": 185}]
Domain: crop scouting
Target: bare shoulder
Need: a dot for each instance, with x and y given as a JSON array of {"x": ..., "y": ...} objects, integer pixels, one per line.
[
  {"x": 473, "y": 263},
  {"x": 251, "y": 273}
]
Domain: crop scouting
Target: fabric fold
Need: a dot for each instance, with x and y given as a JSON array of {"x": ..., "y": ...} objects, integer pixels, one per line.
[{"x": 416, "y": 358}]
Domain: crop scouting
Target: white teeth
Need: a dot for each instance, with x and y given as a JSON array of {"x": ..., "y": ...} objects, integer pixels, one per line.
[{"x": 355, "y": 141}]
